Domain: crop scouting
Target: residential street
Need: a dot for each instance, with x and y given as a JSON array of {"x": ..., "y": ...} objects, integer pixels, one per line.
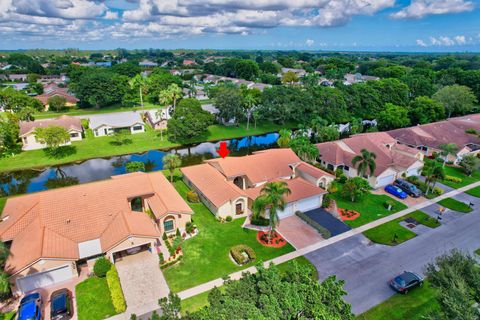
[{"x": 367, "y": 267}]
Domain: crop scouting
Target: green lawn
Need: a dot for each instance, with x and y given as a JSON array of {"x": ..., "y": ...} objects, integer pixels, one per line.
[
  {"x": 371, "y": 207},
  {"x": 458, "y": 172},
  {"x": 92, "y": 147},
  {"x": 384, "y": 234},
  {"x": 206, "y": 256},
  {"x": 2, "y": 204},
  {"x": 412, "y": 306},
  {"x": 456, "y": 205},
  {"x": 474, "y": 192},
  {"x": 93, "y": 299},
  {"x": 201, "y": 300},
  {"x": 8, "y": 315}
]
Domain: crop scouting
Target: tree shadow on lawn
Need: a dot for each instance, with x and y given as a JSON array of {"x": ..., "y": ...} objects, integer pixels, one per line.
[
  {"x": 60, "y": 152},
  {"x": 120, "y": 143}
]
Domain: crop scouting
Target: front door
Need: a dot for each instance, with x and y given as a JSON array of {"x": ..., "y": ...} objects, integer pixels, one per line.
[{"x": 239, "y": 208}]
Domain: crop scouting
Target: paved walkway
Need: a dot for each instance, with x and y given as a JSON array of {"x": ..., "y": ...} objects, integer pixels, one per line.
[
  {"x": 297, "y": 232},
  {"x": 318, "y": 245}
]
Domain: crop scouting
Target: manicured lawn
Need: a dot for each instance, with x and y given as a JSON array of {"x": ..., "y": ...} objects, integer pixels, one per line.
[
  {"x": 93, "y": 299},
  {"x": 206, "y": 256},
  {"x": 456, "y": 205},
  {"x": 199, "y": 301},
  {"x": 2, "y": 204},
  {"x": 8, "y": 315},
  {"x": 371, "y": 207},
  {"x": 458, "y": 172},
  {"x": 92, "y": 147},
  {"x": 412, "y": 306},
  {"x": 384, "y": 234},
  {"x": 474, "y": 192}
]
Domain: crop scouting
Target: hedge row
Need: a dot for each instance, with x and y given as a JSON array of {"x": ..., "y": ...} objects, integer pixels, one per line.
[
  {"x": 237, "y": 255},
  {"x": 116, "y": 291},
  {"x": 171, "y": 263},
  {"x": 312, "y": 223}
]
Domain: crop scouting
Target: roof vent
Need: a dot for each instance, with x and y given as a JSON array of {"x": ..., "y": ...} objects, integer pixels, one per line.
[{"x": 68, "y": 220}]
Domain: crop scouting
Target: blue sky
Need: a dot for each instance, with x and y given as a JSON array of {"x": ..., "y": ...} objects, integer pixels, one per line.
[{"x": 336, "y": 25}]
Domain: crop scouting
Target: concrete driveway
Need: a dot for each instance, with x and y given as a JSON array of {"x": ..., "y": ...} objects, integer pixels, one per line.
[
  {"x": 409, "y": 201},
  {"x": 367, "y": 267},
  {"x": 142, "y": 281},
  {"x": 297, "y": 232}
]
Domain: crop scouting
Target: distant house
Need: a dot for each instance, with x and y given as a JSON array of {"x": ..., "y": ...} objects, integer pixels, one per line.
[
  {"x": 358, "y": 78},
  {"x": 298, "y": 72},
  {"x": 109, "y": 123},
  {"x": 55, "y": 78},
  {"x": 393, "y": 160},
  {"x": 429, "y": 137},
  {"x": 3, "y": 77},
  {"x": 187, "y": 62},
  {"x": 156, "y": 120},
  {"x": 19, "y": 86},
  {"x": 259, "y": 86},
  {"x": 53, "y": 90},
  {"x": 103, "y": 64},
  {"x": 147, "y": 64},
  {"x": 18, "y": 77},
  {"x": 29, "y": 139}
]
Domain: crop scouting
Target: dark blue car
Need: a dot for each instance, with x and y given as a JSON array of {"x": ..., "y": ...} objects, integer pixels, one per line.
[
  {"x": 396, "y": 191},
  {"x": 30, "y": 307},
  {"x": 60, "y": 305}
]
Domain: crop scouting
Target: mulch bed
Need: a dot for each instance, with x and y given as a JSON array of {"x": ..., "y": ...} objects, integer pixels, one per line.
[
  {"x": 277, "y": 239},
  {"x": 348, "y": 214}
]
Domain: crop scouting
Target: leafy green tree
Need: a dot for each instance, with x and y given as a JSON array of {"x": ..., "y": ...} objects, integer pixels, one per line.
[
  {"x": 9, "y": 131},
  {"x": 139, "y": 82},
  {"x": 26, "y": 114},
  {"x": 230, "y": 102},
  {"x": 99, "y": 88},
  {"x": 432, "y": 172},
  {"x": 56, "y": 103},
  {"x": 5, "y": 290},
  {"x": 393, "y": 117},
  {"x": 4, "y": 253},
  {"x": 121, "y": 137},
  {"x": 365, "y": 163},
  {"x": 305, "y": 150},
  {"x": 284, "y": 138},
  {"x": 135, "y": 166},
  {"x": 188, "y": 120},
  {"x": 355, "y": 188},
  {"x": 457, "y": 100},
  {"x": 284, "y": 103},
  {"x": 171, "y": 95},
  {"x": 246, "y": 69},
  {"x": 363, "y": 101},
  {"x": 391, "y": 91},
  {"x": 469, "y": 163},
  {"x": 273, "y": 196},
  {"x": 171, "y": 162},
  {"x": 448, "y": 149},
  {"x": 160, "y": 81},
  {"x": 13, "y": 100},
  {"x": 269, "y": 67},
  {"x": 129, "y": 69},
  {"x": 322, "y": 131},
  {"x": 419, "y": 85},
  {"x": 289, "y": 77},
  {"x": 394, "y": 71},
  {"x": 170, "y": 306},
  {"x": 32, "y": 77},
  {"x": 425, "y": 110},
  {"x": 52, "y": 136}
]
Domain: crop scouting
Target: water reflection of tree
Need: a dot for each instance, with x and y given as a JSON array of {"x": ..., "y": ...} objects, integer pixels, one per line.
[
  {"x": 149, "y": 165},
  {"x": 16, "y": 182},
  {"x": 61, "y": 180},
  {"x": 192, "y": 159},
  {"x": 119, "y": 162}
]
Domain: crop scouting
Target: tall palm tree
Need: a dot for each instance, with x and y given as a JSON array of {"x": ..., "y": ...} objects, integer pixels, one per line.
[
  {"x": 170, "y": 163},
  {"x": 284, "y": 138},
  {"x": 447, "y": 149},
  {"x": 251, "y": 102},
  {"x": 139, "y": 82},
  {"x": 4, "y": 253},
  {"x": 365, "y": 161},
  {"x": 170, "y": 95},
  {"x": 274, "y": 194},
  {"x": 5, "y": 289},
  {"x": 432, "y": 172}
]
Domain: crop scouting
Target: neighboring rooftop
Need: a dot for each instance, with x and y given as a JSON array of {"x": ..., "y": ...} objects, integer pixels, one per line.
[
  {"x": 115, "y": 120},
  {"x": 67, "y": 122}
]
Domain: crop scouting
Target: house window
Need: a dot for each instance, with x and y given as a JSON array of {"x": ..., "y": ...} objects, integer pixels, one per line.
[
  {"x": 346, "y": 168},
  {"x": 137, "y": 204},
  {"x": 25, "y": 141},
  {"x": 168, "y": 225},
  {"x": 137, "y": 128},
  {"x": 74, "y": 135},
  {"x": 96, "y": 132}
]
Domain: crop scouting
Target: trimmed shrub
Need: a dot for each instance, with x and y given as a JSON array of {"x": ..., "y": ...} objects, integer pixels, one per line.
[
  {"x": 229, "y": 219},
  {"x": 101, "y": 267},
  {"x": 177, "y": 233},
  {"x": 388, "y": 204},
  {"x": 453, "y": 179},
  {"x": 438, "y": 191},
  {"x": 116, "y": 291},
  {"x": 189, "y": 227},
  {"x": 471, "y": 131},
  {"x": 192, "y": 196},
  {"x": 171, "y": 263},
  {"x": 333, "y": 188},
  {"x": 238, "y": 251},
  {"x": 413, "y": 179},
  {"x": 259, "y": 221},
  {"x": 161, "y": 258},
  {"x": 170, "y": 249},
  {"x": 314, "y": 224},
  {"x": 342, "y": 178},
  {"x": 327, "y": 200}
]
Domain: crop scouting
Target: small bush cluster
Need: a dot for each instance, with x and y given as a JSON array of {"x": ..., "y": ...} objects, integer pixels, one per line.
[
  {"x": 161, "y": 258},
  {"x": 327, "y": 201},
  {"x": 237, "y": 254},
  {"x": 342, "y": 178},
  {"x": 170, "y": 248},
  {"x": 259, "y": 221},
  {"x": 116, "y": 291},
  {"x": 229, "y": 219},
  {"x": 101, "y": 267},
  {"x": 189, "y": 227},
  {"x": 312, "y": 223},
  {"x": 471, "y": 131},
  {"x": 453, "y": 179},
  {"x": 171, "y": 263},
  {"x": 192, "y": 197},
  {"x": 438, "y": 191},
  {"x": 388, "y": 204}
]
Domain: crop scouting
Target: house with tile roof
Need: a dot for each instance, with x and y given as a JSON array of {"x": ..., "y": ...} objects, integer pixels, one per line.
[
  {"x": 51, "y": 234},
  {"x": 52, "y": 90},
  {"x": 29, "y": 139},
  {"x": 429, "y": 137},
  {"x": 393, "y": 160},
  {"x": 229, "y": 186}
]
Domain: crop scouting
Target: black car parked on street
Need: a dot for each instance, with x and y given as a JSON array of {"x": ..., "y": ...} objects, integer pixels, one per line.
[
  {"x": 408, "y": 187},
  {"x": 406, "y": 281}
]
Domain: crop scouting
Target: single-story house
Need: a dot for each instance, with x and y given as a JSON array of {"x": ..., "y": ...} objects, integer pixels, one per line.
[
  {"x": 52, "y": 233},
  {"x": 20, "y": 77},
  {"x": 298, "y": 72},
  {"x": 429, "y": 137},
  {"x": 229, "y": 186},
  {"x": 29, "y": 139},
  {"x": 158, "y": 120},
  {"x": 147, "y": 64},
  {"x": 52, "y": 90},
  {"x": 107, "y": 124},
  {"x": 393, "y": 160},
  {"x": 351, "y": 78}
]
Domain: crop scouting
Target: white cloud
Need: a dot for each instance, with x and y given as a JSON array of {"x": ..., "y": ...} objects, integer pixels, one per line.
[
  {"x": 421, "y": 43},
  {"x": 446, "y": 41},
  {"x": 309, "y": 42},
  {"x": 460, "y": 39},
  {"x": 421, "y": 8},
  {"x": 111, "y": 15}
]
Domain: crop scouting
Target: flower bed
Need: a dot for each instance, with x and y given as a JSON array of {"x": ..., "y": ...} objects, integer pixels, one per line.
[
  {"x": 242, "y": 254},
  {"x": 348, "y": 214},
  {"x": 276, "y": 242}
]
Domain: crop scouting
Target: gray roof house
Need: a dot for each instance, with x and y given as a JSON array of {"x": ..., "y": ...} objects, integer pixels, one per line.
[{"x": 107, "y": 124}]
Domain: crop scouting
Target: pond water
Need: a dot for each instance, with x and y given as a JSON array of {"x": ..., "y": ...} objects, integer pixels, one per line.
[{"x": 27, "y": 181}]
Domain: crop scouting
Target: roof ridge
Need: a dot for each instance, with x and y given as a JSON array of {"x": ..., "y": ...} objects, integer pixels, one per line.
[
  {"x": 126, "y": 222},
  {"x": 109, "y": 224},
  {"x": 21, "y": 216},
  {"x": 155, "y": 194}
]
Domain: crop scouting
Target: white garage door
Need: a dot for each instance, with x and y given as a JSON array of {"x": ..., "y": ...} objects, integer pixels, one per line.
[
  {"x": 289, "y": 211},
  {"x": 44, "y": 279},
  {"x": 308, "y": 204},
  {"x": 383, "y": 181},
  {"x": 412, "y": 172}
]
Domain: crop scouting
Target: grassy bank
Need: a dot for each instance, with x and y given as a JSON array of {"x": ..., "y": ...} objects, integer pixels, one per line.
[
  {"x": 455, "y": 205},
  {"x": 92, "y": 147}
]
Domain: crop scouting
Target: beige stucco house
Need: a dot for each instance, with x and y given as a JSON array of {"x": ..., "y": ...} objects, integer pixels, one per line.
[{"x": 107, "y": 124}]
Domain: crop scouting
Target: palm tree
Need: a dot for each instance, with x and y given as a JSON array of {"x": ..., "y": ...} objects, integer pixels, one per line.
[
  {"x": 171, "y": 162},
  {"x": 274, "y": 199},
  {"x": 170, "y": 95},
  {"x": 139, "y": 82},
  {"x": 4, "y": 253},
  {"x": 284, "y": 138},
  {"x": 432, "y": 172},
  {"x": 447, "y": 149},
  {"x": 366, "y": 162},
  {"x": 251, "y": 102},
  {"x": 5, "y": 290}
]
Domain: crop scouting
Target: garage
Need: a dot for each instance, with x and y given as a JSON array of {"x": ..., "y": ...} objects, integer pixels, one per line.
[
  {"x": 412, "y": 172},
  {"x": 383, "y": 181},
  {"x": 289, "y": 211},
  {"x": 120, "y": 255},
  {"x": 45, "y": 279},
  {"x": 300, "y": 205}
]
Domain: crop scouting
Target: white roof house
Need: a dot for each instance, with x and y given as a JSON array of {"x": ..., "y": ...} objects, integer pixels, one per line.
[{"x": 105, "y": 124}]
